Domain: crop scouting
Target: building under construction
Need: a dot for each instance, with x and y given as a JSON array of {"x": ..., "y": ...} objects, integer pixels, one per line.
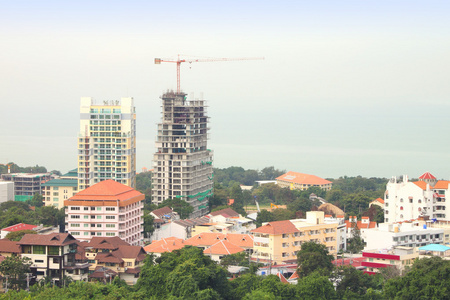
[{"x": 183, "y": 162}]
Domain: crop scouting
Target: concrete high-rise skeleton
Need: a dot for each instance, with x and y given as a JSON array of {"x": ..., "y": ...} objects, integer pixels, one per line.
[
  {"x": 107, "y": 142},
  {"x": 183, "y": 162}
]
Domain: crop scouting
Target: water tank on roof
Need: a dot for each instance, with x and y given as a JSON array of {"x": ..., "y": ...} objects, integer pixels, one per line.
[{"x": 424, "y": 226}]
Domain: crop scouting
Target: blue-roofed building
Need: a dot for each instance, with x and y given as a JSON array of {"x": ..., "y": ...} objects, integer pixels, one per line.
[{"x": 57, "y": 190}]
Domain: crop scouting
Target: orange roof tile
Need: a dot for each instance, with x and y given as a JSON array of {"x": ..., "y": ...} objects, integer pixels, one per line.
[
  {"x": 20, "y": 226},
  {"x": 107, "y": 190},
  {"x": 223, "y": 247},
  {"x": 294, "y": 276},
  {"x": 277, "y": 227},
  {"x": 361, "y": 225},
  {"x": 380, "y": 200},
  {"x": 282, "y": 278},
  {"x": 165, "y": 245},
  {"x": 421, "y": 184},
  {"x": 7, "y": 246},
  {"x": 226, "y": 212},
  {"x": 442, "y": 185},
  {"x": 210, "y": 238},
  {"x": 301, "y": 178}
]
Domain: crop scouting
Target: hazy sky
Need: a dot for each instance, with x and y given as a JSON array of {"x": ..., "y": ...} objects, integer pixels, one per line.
[{"x": 346, "y": 87}]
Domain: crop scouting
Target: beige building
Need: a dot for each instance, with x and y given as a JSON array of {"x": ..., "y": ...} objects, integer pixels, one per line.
[
  {"x": 107, "y": 142},
  {"x": 398, "y": 257},
  {"x": 279, "y": 241},
  {"x": 56, "y": 191},
  {"x": 300, "y": 181}
]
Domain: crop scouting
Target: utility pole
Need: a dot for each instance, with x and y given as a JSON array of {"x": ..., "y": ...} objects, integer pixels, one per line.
[
  {"x": 6, "y": 289},
  {"x": 28, "y": 281}
]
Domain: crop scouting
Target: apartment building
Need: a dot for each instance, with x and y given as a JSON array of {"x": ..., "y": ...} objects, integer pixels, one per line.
[
  {"x": 398, "y": 257},
  {"x": 300, "y": 181},
  {"x": 110, "y": 257},
  {"x": 407, "y": 200},
  {"x": 6, "y": 191},
  {"x": 183, "y": 162},
  {"x": 26, "y": 184},
  {"x": 106, "y": 209},
  {"x": 53, "y": 255},
  {"x": 107, "y": 142},
  {"x": 279, "y": 241}
]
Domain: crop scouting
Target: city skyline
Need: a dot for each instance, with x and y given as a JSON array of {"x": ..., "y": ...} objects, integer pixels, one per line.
[{"x": 345, "y": 88}]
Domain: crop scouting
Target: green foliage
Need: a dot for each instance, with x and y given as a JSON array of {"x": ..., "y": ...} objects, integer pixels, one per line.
[
  {"x": 144, "y": 183},
  {"x": 264, "y": 216},
  {"x": 16, "y": 269},
  {"x": 180, "y": 206},
  {"x": 314, "y": 257},
  {"x": 185, "y": 274},
  {"x": 245, "y": 284},
  {"x": 352, "y": 283},
  {"x": 375, "y": 214},
  {"x": 356, "y": 243},
  {"x": 232, "y": 175},
  {"x": 429, "y": 278},
  {"x": 17, "y": 235},
  {"x": 37, "y": 200},
  {"x": 315, "y": 286},
  {"x": 148, "y": 224},
  {"x": 16, "y": 169}
]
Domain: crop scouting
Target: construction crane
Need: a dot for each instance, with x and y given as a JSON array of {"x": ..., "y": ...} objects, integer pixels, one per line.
[{"x": 158, "y": 61}]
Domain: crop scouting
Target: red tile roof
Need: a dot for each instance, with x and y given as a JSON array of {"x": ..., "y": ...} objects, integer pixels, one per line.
[
  {"x": 277, "y": 227},
  {"x": 160, "y": 212},
  {"x": 107, "y": 190},
  {"x": 294, "y": 276},
  {"x": 20, "y": 226},
  {"x": 52, "y": 239},
  {"x": 421, "y": 184},
  {"x": 301, "y": 178},
  {"x": 7, "y": 246},
  {"x": 427, "y": 175},
  {"x": 109, "y": 243},
  {"x": 223, "y": 247},
  {"x": 380, "y": 200}
]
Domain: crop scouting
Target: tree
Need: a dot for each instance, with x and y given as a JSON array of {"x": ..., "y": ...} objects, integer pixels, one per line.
[
  {"x": 148, "y": 224},
  {"x": 37, "y": 200},
  {"x": 314, "y": 257},
  {"x": 236, "y": 259},
  {"x": 356, "y": 243},
  {"x": 17, "y": 235},
  {"x": 16, "y": 269},
  {"x": 264, "y": 216},
  {"x": 352, "y": 283},
  {"x": 315, "y": 286},
  {"x": 429, "y": 278}
]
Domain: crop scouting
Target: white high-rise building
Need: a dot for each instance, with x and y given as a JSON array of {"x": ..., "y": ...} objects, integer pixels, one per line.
[
  {"x": 183, "y": 162},
  {"x": 107, "y": 142}
]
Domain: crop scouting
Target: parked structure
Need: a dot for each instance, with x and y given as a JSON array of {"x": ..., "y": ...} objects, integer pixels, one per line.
[
  {"x": 107, "y": 142},
  {"x": 406, "y": 200},
  {"x": 106, "y": 209},
  {"x": 300, "y": 181},
  {"x": 183, "y": 162},
  {"x": 53, "y": 256},
  {"x": 26, "y": 184},
  {"x": 279, "y": 241}
]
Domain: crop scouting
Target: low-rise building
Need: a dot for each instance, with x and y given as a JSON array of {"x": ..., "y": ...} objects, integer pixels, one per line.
[
  {"x": 110, "y": 257},
  {"x": 53, "y": 256},
  {"x": 279, "y": 241},
  {"x": 398, "y": 257},
  {"x": 408, "y": 234},
  {"x": 362, "y": 225},
  {"x": 377, "y": 202},
  {"x": 300, "y": 181},
  {"x": 17, "y": 227},
  {"x": 56, "y": 191}
]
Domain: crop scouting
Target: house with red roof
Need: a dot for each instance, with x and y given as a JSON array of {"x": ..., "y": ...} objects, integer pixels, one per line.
[
  {"x": 17, "y": 227},
  {"x": 378, "y": 202},
  {"x": 106, "y": 209},
  {"x": 362, "y": 225},
  {"x": 164, "y": 245},
  {"x": 301, "y": 181}
]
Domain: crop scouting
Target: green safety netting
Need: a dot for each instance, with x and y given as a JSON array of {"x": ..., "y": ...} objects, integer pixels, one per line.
[
  {"x": 202, "y": 206},
  {"x": 203, "y": 194}
]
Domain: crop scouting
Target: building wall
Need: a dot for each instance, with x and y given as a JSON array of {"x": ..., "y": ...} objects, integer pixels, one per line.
[
  {"x": 85, "y": 220},
  {"x": 26, "y": 184},
  {"x": 378, "y": 260},
  {"x": 55, "y": 195},
  {"x": 107, "y": 142},
  {"x": 6, "y": 191},
  {"x": 183, "y": 162}
]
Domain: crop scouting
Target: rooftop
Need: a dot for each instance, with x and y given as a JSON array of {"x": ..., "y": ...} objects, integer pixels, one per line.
[
  {"x": 277, "y": 227},
  {"x": 62, "y": 182},
  {"x": 301, "y": 178},
  {"x": 107, "y": 190},
  {"x": 53, "y": 239},
  {"x": 20, "y": 226}
]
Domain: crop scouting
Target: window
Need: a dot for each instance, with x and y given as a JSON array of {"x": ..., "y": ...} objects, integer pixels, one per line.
[
  {"x": 110, "y": 225},
  {"x": 74, "y": 208},
  {"x": 110, "y": 209},
  {"x": 76, "y": 233},
  {"x": 113, "y": 217},
  {"x": 99, "y": 225},
  {"x": 99, "y": 217},
  {"x": 38, "y": 249},
  {"x": 86, "y": 208},
  {"x": 99, "y": 208},
  {"x": 110, "y": 234},
  {"x": 129, "y": 264},
  {"x": 86, "y": 225},
  {"x": 53, "y": 250},
  {"x": 99, "y": 234},
  {"x": 285, "y": 235},
  {"x": 74, "y": 225},
  {"x": 75, "y": 216},
  {"x": 86, "y": 233},
  {"x": 86, "y": 217},
  {"x": 39, "y": 261}
]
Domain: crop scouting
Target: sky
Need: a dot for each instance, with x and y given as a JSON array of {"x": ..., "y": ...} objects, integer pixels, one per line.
[{"x": 345, "y": 88}]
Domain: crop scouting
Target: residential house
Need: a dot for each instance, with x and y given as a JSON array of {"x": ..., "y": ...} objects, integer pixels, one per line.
[
  {"x": 300, "y": 181},
  {"x": 398, "y": 257}
]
